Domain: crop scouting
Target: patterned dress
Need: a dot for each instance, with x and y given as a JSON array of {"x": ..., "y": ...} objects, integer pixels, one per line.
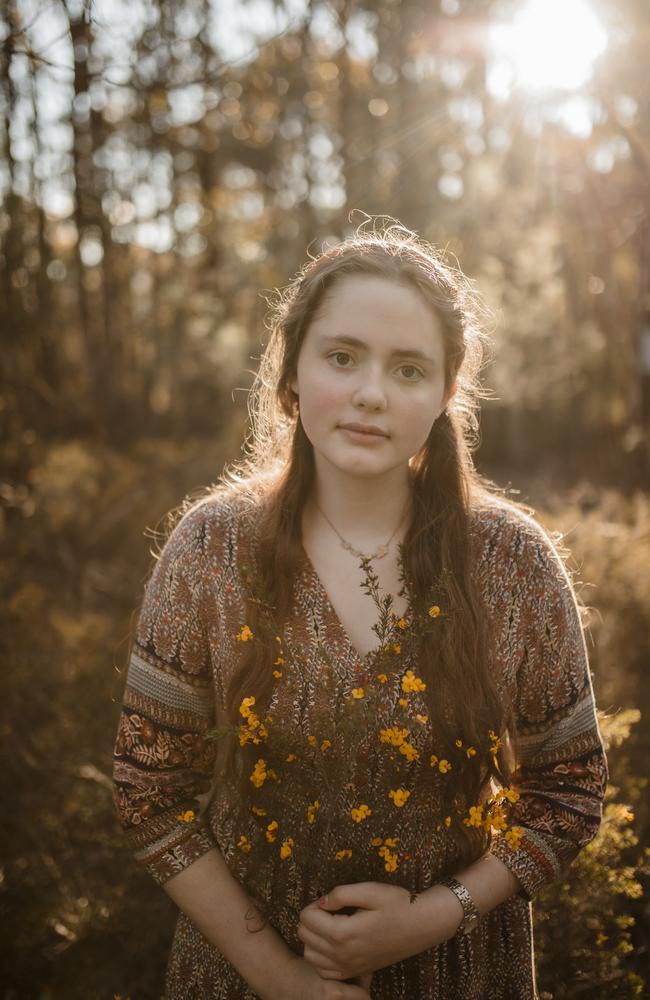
[{"x": 184, "y": 652}]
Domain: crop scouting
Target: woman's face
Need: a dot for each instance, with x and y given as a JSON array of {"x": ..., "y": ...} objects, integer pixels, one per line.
[{"x": 374, "y": 356}]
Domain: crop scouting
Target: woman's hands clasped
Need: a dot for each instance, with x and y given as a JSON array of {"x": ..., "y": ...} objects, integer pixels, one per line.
[{"x": 383, "y": 930}]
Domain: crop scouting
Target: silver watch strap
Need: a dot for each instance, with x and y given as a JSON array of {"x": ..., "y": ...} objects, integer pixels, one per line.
[{"x": 471, "y": 915}]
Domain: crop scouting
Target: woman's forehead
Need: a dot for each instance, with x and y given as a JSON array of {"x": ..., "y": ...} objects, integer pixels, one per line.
[{"x": 366, "y": 305}]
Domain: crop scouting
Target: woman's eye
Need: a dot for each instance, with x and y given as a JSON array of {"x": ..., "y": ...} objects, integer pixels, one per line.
[
  {"x": 340, "y": 354},
  {"x": 411, "y": 368}
]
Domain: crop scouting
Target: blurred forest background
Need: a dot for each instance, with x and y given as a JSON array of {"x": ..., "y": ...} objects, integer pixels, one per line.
[{"x": 166, "y": 164}]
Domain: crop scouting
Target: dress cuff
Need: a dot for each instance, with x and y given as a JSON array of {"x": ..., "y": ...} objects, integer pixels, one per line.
[
  {"x": 532, "y": 862},
  {"x": 169, "y": 852}
]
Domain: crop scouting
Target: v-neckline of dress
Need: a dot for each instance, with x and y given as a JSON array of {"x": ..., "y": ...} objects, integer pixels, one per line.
[{"x": 361, "y": 658}]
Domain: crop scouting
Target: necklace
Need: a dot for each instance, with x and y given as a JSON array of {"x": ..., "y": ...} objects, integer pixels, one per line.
[{"x": 379, "y": 554}]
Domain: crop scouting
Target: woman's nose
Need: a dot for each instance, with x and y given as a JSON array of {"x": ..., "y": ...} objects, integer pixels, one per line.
[{"x": 370, "y": 390}]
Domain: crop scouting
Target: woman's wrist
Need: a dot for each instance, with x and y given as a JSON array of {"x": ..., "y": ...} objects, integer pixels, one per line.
[
  {"x": 437, "y": 916},
  {"x": 489, "y": 883}
]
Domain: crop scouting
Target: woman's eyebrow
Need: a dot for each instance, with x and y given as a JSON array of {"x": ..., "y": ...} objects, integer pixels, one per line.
[{"x": 402, "y": 352}]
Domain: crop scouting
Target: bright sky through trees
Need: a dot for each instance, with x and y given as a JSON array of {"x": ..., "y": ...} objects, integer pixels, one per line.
[
  {"x": 550, "y": 44},
  {"x": 548, "y": 49}
]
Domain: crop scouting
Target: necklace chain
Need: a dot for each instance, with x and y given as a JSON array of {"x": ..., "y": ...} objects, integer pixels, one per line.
[{"x": 379, "y": 554}]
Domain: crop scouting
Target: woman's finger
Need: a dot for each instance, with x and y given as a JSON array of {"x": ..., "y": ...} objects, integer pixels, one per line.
[
  {"x": 326, "y": 968},
  {"x": 313, "y": 940}
]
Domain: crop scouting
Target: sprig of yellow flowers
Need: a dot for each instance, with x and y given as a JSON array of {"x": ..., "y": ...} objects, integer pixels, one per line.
[{"x": 487, "y": 816}]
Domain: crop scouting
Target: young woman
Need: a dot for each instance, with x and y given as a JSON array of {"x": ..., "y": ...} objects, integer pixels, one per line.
[{"x": 441, "y": 781}]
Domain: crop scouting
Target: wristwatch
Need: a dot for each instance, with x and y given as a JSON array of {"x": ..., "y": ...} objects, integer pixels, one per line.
[{"x": 471, "y": 916}]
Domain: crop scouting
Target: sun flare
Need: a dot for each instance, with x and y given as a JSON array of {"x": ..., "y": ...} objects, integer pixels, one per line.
[{"x": 550, "y": 45}]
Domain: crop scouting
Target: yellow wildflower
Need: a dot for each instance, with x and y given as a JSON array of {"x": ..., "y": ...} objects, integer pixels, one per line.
[
  {"x": 403, "y": 702},
  {"x": 311, "y": 810},
  {"x": 399, "y": 796},
  {"x": 422, "y": 718},
  {"x": 245, "y": 634},
  {"x": 340, "y": 855},
  {"x": 447, "y": 821},
  {"x": 187, "y": 816},
  {"x": 258, "y": 811},
  {"x": 434, "y": 760},
  {"x": 434, "y": 611},
  {"x": 496, "y": 740},
  {"x": 382, "y": 678},
  {"x": 277, "y": 674},
  {"x": 390, "y": 859},
  {"x": 358, "y": 692},
  {"x": 286, "y": 848},
  {"x": 601, "y": 938},
  {"x": 326, "y": 744},
  {"x": 409, "y": 751},
  {"x": 470, "y": 751},
  {"x": 459, "y": 743},
  {"x": 291, "y": 757},
  {"x": 444, "y": 766},
  {"x": 475, "y": 816},
  {"x": 397, "y": 648},
  {"x": 395, "y": 736},
  {"x": 412, "y": 683},
  {"x": 496, "y": 817},
  {"x": 259, "y": 773},
  {"x": 245, "y": 707},
  {"x": 279, "y": 662},
  {"x": 361, "y": 813},
  {"x": 270, "y": 831},
  {"x": 513, "y": 836},
  {"x": 243, "y": 843},
  {"x": 402, "y": 623},
  {"x": 507, "y": 793},
  {"x": 312, "y": 740}
]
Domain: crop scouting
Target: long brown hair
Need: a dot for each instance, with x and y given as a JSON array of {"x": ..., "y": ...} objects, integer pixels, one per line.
[{"x": 278, "y": 469}]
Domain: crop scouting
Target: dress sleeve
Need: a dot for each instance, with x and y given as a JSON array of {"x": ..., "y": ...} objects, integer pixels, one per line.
[
  {"x": 561, "y": 770},
  {"x": 162, "y": 761}
]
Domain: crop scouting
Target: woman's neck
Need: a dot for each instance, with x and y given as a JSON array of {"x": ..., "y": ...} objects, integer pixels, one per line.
[{"x": 361, "y": 512}]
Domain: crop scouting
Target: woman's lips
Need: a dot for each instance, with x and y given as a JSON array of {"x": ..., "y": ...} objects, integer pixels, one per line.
[
  {"x": 365, "y": 436},
  {"x": 365, "y": 429}
]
